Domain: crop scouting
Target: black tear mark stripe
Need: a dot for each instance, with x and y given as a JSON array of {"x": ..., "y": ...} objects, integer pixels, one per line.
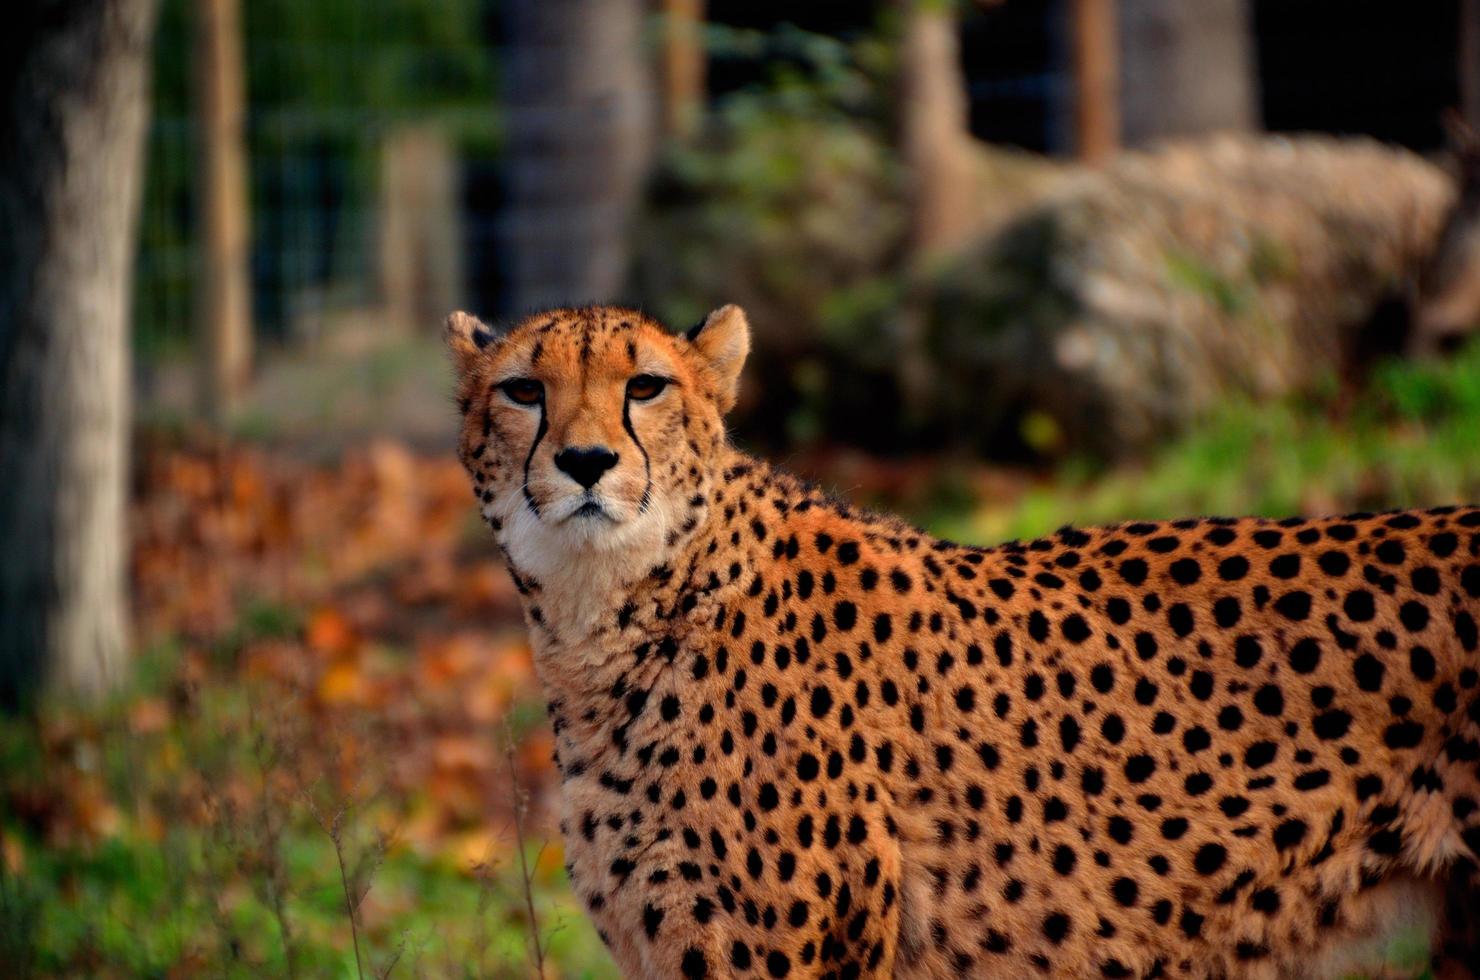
[
  {"x": 647, "y": 464},
  {"x": 538, "y": 436}
]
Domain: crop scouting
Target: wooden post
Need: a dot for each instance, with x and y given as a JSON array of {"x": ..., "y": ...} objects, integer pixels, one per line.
[
  {"x": 421, "y": 230},
  {"x": 683, "y": 66},
  {"x": 1096, "y": 82},
  {"x": 1186, "y": 69},
  {"x": 225, "y": 303}
]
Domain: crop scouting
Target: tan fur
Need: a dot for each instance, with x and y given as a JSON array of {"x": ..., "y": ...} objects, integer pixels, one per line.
[{"x": 801, "y": 740}]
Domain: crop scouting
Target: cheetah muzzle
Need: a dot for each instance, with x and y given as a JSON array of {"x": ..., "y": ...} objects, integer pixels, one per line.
[{"x": 799, "y": 739}]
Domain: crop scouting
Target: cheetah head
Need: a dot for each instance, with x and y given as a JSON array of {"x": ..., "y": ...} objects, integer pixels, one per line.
[{"x": 592, "y": 435}]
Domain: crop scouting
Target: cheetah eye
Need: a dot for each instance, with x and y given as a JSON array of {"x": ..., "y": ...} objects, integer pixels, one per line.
[
  {"x": 645, "y": 387},
  {"x": 523, "y": 391}
]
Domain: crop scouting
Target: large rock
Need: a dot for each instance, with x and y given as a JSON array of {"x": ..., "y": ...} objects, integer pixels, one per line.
[{"x": 1132, "y": 300}]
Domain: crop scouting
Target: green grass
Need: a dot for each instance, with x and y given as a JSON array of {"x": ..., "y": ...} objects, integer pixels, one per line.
[
  {"x": 1409, "y": 437},
  {"x": 194, "y": 870}
]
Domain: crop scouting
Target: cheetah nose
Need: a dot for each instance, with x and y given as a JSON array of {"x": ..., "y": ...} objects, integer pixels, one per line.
[{"x": 585, "y": 464}]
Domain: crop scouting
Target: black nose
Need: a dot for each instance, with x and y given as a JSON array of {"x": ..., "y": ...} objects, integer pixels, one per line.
[{"x": 585, "y": 464}]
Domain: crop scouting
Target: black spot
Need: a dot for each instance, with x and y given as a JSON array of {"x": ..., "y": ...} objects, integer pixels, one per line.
[
  {"x": 1421, "y": 662},
  {"x": 1185, "y": 571},
  {"x": 1265, "y": 900},
  {"x": 1368, "y": 671},
  {"x": 1334, "y": 563},
  {"x": 1102, "y": 678},
  {"x": 1133, "y": 571},
  {"x": 1403, "y": 735},
  {"x": 1331, "y": 725},
  {"x": 1227, "y": 612},
  {"x": 1074, "y": 628},
  {"x": 1359, "y": 606},
  {"x": 1294, "y": 606},
  {"x": 1390, "y": 552},
  {"x": 1234, "y": 568},
  {"x": 1289, "y": 834},
  {"x": 1285, "y": 566},
  {"x": 694, "y": 966},
  {"x": 1414, "y": 616},
  {"x": 1209, "y": 858},
  {"x": 1260, "y": 754},
  {"x": 821, "y": 701},
  {"x": 651, "y": 919},
  {"x": 1125, "y": 890},
  {"x": 1138, "y": 768},
  {"x": 1305, "y": 655},
  {"x": 1314, "y": 779},
  {"x": 1056, "y": 927},
  {"x": 1270, "y": 700}
]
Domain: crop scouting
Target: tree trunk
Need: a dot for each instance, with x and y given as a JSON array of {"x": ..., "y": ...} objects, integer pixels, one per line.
[
  {"x": 1186, "y": 68},
  {"x": 225, "y": 300},
  {"x": 579, "y": 139},
  {"x": 936, "y": 141},
  {"x": 1096, "y": 84},
  {"x": 683, "y": 66},
  {"x": 934, "y": 128},
  {"x": 74, "y": 93}
]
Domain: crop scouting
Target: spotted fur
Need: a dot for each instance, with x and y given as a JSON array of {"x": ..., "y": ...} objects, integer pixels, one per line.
[{"x": 797, "y": 739}]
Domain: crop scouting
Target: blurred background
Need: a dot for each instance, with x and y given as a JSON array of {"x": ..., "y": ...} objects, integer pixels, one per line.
[{"x": 268, "y": 704}]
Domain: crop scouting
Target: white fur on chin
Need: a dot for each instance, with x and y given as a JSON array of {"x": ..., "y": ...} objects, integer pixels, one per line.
[{"x": 585, "y": 566}]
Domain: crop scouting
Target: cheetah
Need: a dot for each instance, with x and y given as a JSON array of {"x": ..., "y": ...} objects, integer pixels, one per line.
[{"x": 798, "y": 739}]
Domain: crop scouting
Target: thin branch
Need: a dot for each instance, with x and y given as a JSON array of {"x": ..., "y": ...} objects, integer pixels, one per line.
[
  {"x": 349, "y": 902},
  {"x": 526, "y": 877}
]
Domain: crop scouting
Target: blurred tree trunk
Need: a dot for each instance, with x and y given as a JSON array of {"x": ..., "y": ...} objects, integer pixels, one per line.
[
  {"x": 74, "y": 92},
  {"x": 1186, "y": 68},
  {"x": 683, "y": 66},
  {"x": 579, "y": 142},
  {"x": 1469, "y": 62},
  {"x": 225, "y": 301},
  {"x": 1096, "y": 83},
  {"x": 935, "y": 137},
  {"x": 934, "y": 127}
]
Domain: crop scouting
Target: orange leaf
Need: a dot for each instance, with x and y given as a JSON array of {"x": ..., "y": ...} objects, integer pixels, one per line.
[{"x": 329, "y": 632}]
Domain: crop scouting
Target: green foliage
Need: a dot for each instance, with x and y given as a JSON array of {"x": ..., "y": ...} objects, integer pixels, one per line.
[
  {"x": 1190, "y": 272},
  {"x": 1408, "y": 438},
  {"x": 790, "y": 203}
]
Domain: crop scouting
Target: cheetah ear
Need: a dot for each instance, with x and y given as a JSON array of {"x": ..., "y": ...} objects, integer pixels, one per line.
[
  {"x": 467, "y": 338},
  {"x": 722, "y": 341}
]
